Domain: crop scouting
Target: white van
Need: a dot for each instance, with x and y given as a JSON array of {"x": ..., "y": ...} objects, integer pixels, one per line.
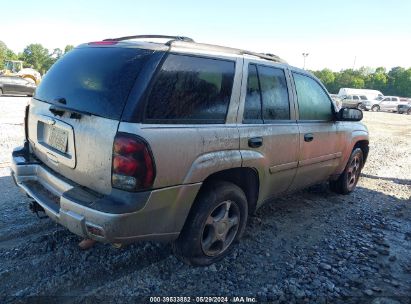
[{"x": 371, "y": 94}]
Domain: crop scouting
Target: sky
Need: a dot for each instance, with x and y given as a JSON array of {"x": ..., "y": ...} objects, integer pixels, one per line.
[{"x": 336, "y": 34}]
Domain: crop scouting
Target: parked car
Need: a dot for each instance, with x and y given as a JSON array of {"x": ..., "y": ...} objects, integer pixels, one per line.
[
  {"x": 130, "y": 140},
  {"x": 354, "y": 101},
  {"x": 16, "y": 86},
  {"x": 404, "y": 108},
  {"x": 371, "y": 94},
  {"x": 337, "y": 101},
  {"x": 387, "y": 104}
]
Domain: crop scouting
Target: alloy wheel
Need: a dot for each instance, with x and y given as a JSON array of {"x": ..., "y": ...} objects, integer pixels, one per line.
[
  {"x": 354, "y": 171},
  {"x": 220, "y": 228}
]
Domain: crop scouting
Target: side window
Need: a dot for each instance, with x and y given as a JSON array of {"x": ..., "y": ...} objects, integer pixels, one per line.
[
  {"x": 355, "y": 98},
  {"x": 363, "y": 97},
  {"x": 267, "y": 95},
  {"x": 313, "y": 102},
  {"x": 252, "y": 107},
  {"x": 274, "y": 92},
  {"x": 190, "y": 89}
]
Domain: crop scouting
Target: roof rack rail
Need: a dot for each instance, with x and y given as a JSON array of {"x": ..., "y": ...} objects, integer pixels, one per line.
[
  {"x": 172, "y": 38},
  {"x": 267, "y": 56},
  {"x": 213, "y": 47}
]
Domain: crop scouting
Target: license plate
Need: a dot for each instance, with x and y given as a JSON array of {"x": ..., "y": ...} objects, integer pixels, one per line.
[{"x": 58, "y": 139}]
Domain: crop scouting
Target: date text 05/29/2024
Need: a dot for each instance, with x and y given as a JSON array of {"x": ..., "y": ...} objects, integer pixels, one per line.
[{"x": 206, "y": 299}]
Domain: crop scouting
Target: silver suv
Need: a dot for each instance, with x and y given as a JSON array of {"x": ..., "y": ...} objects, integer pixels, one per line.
[{"x": 179, "y": 141}]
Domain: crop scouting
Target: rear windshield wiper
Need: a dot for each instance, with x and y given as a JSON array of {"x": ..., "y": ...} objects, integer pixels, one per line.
[{"x": 60, "y": 110}]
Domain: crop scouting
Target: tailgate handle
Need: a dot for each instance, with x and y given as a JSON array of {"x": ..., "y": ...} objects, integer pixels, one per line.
[
  {"x": 56, "y": 111},
  {"x": 60, "y": 110}
]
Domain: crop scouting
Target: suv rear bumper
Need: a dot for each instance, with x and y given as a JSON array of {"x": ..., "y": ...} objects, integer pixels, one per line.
[{"x": 157, "y": 215}]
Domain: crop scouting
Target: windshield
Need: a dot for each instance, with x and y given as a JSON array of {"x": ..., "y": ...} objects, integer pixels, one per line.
[{"x": 93, "y": 80}]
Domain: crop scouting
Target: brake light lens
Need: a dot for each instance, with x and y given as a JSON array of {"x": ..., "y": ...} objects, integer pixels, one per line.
[
  {"x": 103, "y": 43},
  {"x": 133, "y": 167}
]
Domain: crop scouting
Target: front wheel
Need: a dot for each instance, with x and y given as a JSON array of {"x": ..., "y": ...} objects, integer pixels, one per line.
[
  {"x": 216, "y": 222},
  {"x": 409, "y": 111},
  {"x": 375, "y": 108},
  {"x": 348, "y": 180}
]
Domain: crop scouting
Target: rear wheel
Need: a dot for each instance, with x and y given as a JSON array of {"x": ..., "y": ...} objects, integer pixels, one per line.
[
  {"x": 1, "y": 92},
  {"x": 409, "y": 111},
  {"x": 215, "y": 223},
  {"x": 348, "y": 180},
  {"x": 375, "y": 108}
]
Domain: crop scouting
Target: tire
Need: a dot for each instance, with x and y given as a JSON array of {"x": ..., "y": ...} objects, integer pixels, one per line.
[
  {"x": 409, "y": 111},
  {"x": 361, "y": 107},
  {"x": 1, "y": 92},
  {"x": 375, "y": 108},
  {"x": 216, "y": 222},
  {"x": 348, "y": 180}
]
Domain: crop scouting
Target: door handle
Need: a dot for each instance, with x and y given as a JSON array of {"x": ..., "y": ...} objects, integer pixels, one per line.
[
  {"x": 308, "y": 137},
  {"x": 255, "y": 142}
]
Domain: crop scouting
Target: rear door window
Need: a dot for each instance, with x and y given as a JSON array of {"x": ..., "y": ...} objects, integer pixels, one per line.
[
  {"x": 267, "y": 95},
  {"x": 93, "y": 79},
  {"x": 191, "y": 89},
  {"x": 274, "y": 92},
  {"x": 313, "y": 101}
]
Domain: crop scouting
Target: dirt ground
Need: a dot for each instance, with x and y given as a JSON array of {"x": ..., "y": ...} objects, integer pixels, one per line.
[{"x": 310, "y": 247}]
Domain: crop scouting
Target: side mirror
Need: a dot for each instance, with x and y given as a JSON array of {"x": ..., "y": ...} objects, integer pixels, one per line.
[{"x": 349, "y": 114}]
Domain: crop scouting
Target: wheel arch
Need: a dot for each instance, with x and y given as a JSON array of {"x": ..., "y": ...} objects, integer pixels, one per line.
[
  {"x": 244, "y": 177},
  {"x": 364, "y": 146},
  {"x": 359, "y": 139}
]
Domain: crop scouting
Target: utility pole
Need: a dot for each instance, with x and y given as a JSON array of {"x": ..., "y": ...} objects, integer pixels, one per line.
[{"x": 305, "y": 56}]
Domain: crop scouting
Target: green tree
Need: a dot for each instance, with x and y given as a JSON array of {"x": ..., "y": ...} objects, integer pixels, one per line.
[
  {"x": 349, "y": 79},
  {"x": 327, "y": 77},
  {"x": 5, "y": 54},
  {"x": 37, "y": 57},
  {"x": 68, "y": 48},
  {"x": 52, "y": 58},
  {"x": 377, "y": 80},
  {"x": 399, "y": 82}
]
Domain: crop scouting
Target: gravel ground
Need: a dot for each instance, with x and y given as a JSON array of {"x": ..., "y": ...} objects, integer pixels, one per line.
[{"x": 310, "y": 247}]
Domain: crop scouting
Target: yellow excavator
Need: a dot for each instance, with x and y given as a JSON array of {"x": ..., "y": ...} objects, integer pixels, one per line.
[{"x": 15, "y": 68}]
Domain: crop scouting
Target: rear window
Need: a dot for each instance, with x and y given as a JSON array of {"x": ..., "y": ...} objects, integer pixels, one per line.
[
  {"x": 94, "y": 80},
  {"x": 191, "y": 89}
]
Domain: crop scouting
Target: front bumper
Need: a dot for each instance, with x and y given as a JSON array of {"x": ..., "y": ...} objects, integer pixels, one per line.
[{"x": 118, "y": 218}]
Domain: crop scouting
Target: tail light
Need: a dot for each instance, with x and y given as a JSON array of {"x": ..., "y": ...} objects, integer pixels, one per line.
[
  {"x": 133, "y": 167},
  {"x": 103, "y": 42}
]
